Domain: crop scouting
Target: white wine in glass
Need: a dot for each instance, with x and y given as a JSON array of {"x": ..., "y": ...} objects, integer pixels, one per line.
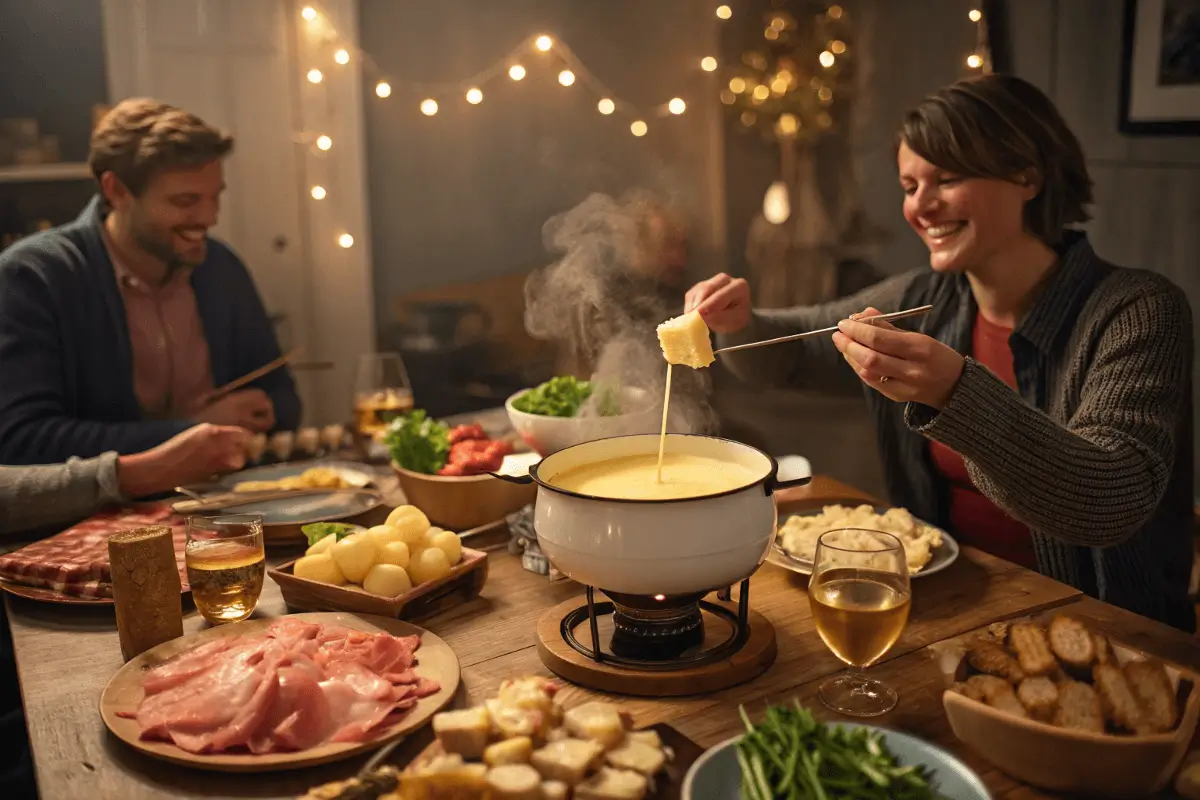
[
  {"x": 381, "y": 393},
  {"x": 860, "y": 597}
]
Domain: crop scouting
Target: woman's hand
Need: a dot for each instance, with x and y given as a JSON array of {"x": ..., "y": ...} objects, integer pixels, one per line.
[
  {"x": 723, "y": 303},
  {"x": 901, "y": 365}
]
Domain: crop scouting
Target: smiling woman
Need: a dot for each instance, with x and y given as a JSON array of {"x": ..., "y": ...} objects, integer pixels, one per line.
[{"x": 1045, "y": 383}]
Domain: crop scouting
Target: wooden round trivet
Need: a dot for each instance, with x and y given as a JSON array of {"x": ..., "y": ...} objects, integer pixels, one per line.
[{"x": 755, "y": 657}]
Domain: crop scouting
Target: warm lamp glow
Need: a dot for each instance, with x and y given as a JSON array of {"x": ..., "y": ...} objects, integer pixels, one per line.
[
  {"x": 975, "y": 15},
  {"x": 315, "y": 76},
  {"x": 474, "y": 96},
  {"x": 516, "y": 72},
  {"x": 543, "y": 43},
  {"x": 761, "y": 92},
  {"x": 346, "y": 240},
  {"x": 566, "y": 77},
  {"x": 776, "y": 204},
  {"x": 737, "y": 85},
  {"x": 837, "y": 46},
  {"x": 324, "y": 142},
  {"x": 724, "y": 12},
  {"x": 341, "y": 57},
  {"x": 606, "y": 106},
  {"x": 974, "y": 61},
  {"x": 429, "y": 106},
  {"x": 309, "y": 13},
  {"x": 826, "y": 58},
  {"x": 708, "y": 63},
  {"x": 318, "y": 193},
  {"x": 638, "y": 128},
  {"x": 677, "y": 106},
  {"x": 383, "y": 89}
]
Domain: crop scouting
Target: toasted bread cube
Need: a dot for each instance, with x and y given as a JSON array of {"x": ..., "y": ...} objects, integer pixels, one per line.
[
  {"x": 685, "y": 341},
  {"x": 555, "y": 790},
  {"x": 1152, "y": 687},
  {"x": 464, "y": 784},
  {"x": 1079, "y": 708},
  {"x": 508, "y": 721},
  {"x": 644, "y": 758},
  {"x": 510, "y": 751},
  {"x": 600, "y": 722},
  {"x": 568, "y": 760},
  {"x": 464, "y": 732},
  {"x": 1039, "y": 696},
  {"x": 613, "y": 784},
  {"x": 557, "y": 735},
  {"x": 514, "y": 782},
  {"x": 644, "y": 737},
  {"x": 535, "y": 693}
]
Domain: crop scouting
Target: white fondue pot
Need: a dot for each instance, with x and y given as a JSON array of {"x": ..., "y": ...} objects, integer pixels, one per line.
[{"x": 650, "y": 547}]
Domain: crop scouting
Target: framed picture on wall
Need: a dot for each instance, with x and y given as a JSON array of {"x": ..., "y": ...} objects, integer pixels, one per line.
[{"x": 1160, "y": 68}]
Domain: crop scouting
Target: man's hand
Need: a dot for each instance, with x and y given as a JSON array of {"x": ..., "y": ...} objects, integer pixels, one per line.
[
  {"x": 251, "y": 409},
  {"x": 197, "y": 454},
  {"x": 723, "y": 303}
]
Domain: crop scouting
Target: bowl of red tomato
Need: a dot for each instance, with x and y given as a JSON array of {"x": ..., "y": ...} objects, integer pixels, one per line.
[{"x": 443, "y": 471}]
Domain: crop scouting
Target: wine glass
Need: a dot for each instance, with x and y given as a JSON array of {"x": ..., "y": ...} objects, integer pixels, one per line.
[
  {"x": 381, "y": 393},
  {"x": 226, "y": 565},
  {"x": 860, "y": 597}
]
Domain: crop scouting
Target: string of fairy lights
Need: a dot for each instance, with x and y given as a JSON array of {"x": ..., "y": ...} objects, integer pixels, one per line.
[{"x": 543, "y": 51}]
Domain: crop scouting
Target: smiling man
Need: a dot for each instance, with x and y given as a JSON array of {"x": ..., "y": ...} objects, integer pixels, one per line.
[{"x": 115, "y": 328}]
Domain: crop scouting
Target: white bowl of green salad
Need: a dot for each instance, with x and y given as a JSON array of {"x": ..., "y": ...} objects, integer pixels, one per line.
[{"x": 566, "y": 411}]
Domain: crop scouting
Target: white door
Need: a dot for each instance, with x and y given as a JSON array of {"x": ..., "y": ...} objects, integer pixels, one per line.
[{"x": 234, "y": 63}]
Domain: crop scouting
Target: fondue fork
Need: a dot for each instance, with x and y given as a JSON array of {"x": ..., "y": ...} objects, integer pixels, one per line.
[{"x": 912, "y": 312}]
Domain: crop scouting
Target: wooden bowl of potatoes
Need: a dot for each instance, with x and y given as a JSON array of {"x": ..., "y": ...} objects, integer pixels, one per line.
[{"x": 1055, "y": 703}]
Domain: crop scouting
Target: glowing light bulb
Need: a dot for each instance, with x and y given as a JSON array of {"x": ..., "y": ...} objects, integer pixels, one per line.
[
  {"x": 788, "y": 124},
  {"x": 975, "y": 15},
  {"x": 566, "y": 77},
  {"x": 324, "y": 142},
  {"x": 638, "y": 128},
  {"x": 771, "y": 34},
  {"x": 516, "y": 72},
  {"x": 834, "y": 12},
  {"x": 346, "y": 240},
  {"x": 318, "y": 193},
  {"x": 708, "y": 63},
  {"x": 543, "y": 43},
  {"x": 837, "y": 46},
  {"x": 474, "y": 96},
  {"x": 315, "y": 76},
  {"x": 309, "y": 13},
  {"x": 606, "y": 106},
  {"x": 737, "y": 85},
  {"x": 826, "y": 58},
  {"x": 429, "y": 106},
  {"x": 341, "y": 57},
  {"x": 677, "y": 106},
  {"x": 383, "y": 89},
  {"x": 761, "y": 92},
  {"x": 776, "y": 204},
  {"x": 974, "y": 61},
  {"x": 724, "y": 12}
]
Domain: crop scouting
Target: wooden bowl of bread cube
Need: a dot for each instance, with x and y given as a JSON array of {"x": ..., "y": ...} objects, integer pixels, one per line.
[{"x": 1053, "y": 702}]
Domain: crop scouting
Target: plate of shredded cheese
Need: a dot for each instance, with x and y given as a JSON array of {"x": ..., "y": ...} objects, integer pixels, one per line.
[{"x": 927, "y": 549}]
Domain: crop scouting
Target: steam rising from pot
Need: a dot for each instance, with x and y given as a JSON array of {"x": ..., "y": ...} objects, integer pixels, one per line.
[{"x": 619, "y": 274}]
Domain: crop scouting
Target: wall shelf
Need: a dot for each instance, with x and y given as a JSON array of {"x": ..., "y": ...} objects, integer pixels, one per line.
[{"x": 36, "y": 173}]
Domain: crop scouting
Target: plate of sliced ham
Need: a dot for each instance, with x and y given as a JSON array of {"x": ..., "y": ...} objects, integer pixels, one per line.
[{"x": 283, "y": 693}]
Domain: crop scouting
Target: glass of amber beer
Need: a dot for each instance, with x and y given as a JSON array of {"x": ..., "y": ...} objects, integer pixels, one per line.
[{"x": 226, "y": 565}]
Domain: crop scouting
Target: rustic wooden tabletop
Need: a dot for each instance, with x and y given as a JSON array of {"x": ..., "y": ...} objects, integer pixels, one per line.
[{"x": 66, "y": 655}]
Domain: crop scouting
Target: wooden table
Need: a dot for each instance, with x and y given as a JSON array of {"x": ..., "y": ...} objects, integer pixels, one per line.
[{"x": 66, "y": 655}]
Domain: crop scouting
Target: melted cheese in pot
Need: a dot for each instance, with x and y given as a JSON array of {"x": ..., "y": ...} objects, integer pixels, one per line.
[{"x": 635, "y": 477}]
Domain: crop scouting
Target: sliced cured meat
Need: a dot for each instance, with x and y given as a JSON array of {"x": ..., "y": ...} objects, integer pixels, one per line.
[{"x": 291, "y": 688}]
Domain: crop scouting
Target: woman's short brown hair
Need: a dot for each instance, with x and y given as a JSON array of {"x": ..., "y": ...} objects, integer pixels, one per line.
[
  {"x": 1000, "y": 126},
  {"x": 139, "y": 137}
]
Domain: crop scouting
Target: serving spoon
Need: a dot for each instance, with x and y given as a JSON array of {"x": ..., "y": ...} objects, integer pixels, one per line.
[{"x": 911, "y": 312}]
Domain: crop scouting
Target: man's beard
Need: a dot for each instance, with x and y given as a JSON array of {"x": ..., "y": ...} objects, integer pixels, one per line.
[{"x": 159, "y": 246}]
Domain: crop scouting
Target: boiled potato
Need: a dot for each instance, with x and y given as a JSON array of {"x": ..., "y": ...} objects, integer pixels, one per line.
[
  {"x": 427, "y": 539},
  {"x": 449, "y": 543},
  {"x": 411, "y": 523},
  {"x": 355, "y": 555},
  {"x": 429, "y": 565},
  {"x": 393, "y": 553},
  {"x": 382, "y": 534},
  {"x": 319, "y": 567},
  {"x": 387, "y": 580},
  {"x": 322, "y": 545}
]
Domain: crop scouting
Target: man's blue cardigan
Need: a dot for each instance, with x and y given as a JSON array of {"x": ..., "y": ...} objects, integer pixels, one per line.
[{"x": 66, "y": 368}]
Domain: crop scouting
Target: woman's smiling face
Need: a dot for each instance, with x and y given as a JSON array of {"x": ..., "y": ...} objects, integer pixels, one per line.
[{"x": 965, "y": 222}]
